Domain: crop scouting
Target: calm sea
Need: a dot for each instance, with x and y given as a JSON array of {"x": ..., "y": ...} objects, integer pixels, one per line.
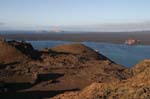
[{"x": 121, "y": 54}]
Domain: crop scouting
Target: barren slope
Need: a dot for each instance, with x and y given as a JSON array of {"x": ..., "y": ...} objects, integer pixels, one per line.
[{"x": 136, "y": 87}]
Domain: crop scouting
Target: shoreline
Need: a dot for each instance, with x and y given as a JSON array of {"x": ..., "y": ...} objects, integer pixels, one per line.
[{"x": 104, "y": 38}]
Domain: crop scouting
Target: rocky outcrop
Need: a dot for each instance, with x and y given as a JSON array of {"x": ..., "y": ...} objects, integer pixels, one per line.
[
  {"x": 13, "y": 51},
  {"x": 79, "y": 49},
  {"x": 136, "y": 87},
  {"x": 25, "y": 48},
  {"x": 76, "y": 64},
  {"x": 71, "y": 67},
  {"x": 9, "y": 54},
  {"x": 141, "y": 67},
  {"x": 80, "y": 66}
]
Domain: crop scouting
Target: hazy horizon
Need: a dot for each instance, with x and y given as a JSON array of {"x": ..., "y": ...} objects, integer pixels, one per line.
[{"x": 77, "y": 15}]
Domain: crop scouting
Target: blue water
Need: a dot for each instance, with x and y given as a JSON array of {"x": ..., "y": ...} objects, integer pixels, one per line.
[{"x": 122, "y": 54}]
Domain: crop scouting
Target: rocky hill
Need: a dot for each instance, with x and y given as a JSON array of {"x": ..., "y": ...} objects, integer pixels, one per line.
[
  {"x": 80, "y": 66},
  {"x": 135, "y": 87},
  {"x": 9, "y": 54},
  {"x": 13, "y": 51},
  {"x": 75, "y": 70}
]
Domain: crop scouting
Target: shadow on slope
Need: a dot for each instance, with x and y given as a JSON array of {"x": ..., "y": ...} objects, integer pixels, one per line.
[{"x": 33, "y": 94}]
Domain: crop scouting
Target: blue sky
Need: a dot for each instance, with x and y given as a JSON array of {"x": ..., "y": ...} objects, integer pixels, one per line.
[{"x": 98, "y": 15}]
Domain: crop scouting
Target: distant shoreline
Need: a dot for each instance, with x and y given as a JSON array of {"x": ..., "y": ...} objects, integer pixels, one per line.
[{"x": 116, "y": 38}]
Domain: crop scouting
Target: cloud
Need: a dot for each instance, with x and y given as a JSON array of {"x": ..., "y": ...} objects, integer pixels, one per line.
[
  {"x": 104, "y": 27},
  {"x": 129, "y": 26}
]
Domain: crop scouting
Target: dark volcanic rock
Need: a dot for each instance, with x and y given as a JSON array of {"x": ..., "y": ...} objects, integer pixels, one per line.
[
  {"x": 80, "y": 65},
  {"x": 25, "y": 48},
  {"x": 79, "y": 49},
  {"x": 9, "y": 54},
  {"x": 136, "y": 87},
  {"x": 72, "y": 67},
  {"x": 13, "y": 51}
]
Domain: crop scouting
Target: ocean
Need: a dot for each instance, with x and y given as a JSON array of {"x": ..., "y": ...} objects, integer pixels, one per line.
[{"x": 121, "y": 54}]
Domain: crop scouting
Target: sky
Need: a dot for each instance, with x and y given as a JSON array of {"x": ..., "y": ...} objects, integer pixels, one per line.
[{"x": 94, "y": 15}]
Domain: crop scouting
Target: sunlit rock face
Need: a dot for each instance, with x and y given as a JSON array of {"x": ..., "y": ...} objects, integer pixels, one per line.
[
  {"x": 135, "y": 87},
  {"x": 69, "y": 67},
  {"x": 14, "y": 51},
  {"x": 9, "y": 53}
]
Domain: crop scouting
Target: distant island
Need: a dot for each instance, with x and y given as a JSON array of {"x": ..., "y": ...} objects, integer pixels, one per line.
[{"x": 109, "y": 37}]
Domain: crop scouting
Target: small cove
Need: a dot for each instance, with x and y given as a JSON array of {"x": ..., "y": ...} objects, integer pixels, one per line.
[{"x": 121, "y": 54}]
